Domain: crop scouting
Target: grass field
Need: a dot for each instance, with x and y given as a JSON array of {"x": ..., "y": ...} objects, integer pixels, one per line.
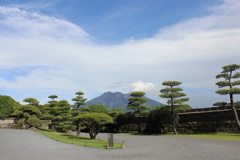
[
  {"x": 81, "y": 141},
  {"x": 222, "y": 136}
]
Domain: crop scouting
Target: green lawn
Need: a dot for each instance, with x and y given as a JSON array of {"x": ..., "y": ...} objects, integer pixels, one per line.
[
  {"x": 81, "y": 141},
  {"x": 222, "y": 136}
]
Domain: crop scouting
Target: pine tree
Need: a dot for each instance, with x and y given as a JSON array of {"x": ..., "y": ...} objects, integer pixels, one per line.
[
  {"x": 79, "y": 100},
  {"x": 63, "y": 117},
  {"x": 136, "y": 104},
  {"x": 228, "y": 74},
  {"x": 50, "y": 111},
  {"x": 173, "y": 95}
]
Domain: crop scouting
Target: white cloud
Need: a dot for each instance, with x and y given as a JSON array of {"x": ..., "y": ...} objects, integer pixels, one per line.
[
  {"x": 141, "y": 86},
  {"x": 64, "y": 59}
]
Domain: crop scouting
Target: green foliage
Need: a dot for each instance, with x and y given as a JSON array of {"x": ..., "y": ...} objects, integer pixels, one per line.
[
  {"x": 183, "y": 107},
  {"x": 94, "y": 122},
  {"x": 230, "y": 68},
  {"x": 7, "y": 106},
  {"x": 81, "y": 141},
  {"x": 228, "y": 74},
  {"x": 159, "y": 120},
  {"x": 222, "y": 136},
  {"x": 171, "y": 83},
  {"x": 63, "y": 118},
  {"x": 124, "y": 120},
  {"x": 79, "y": 100},
  {"x": 136, "y": 102},
  {"x": 27, "y": 116},
  {"x": 31, "y": 101},
  {"x": 113, "y": 127},
  {"x": 53, "y": 97},
  {"x": 228, "y": 91},
  {"x": 50, "y": 111},
  {"x": 97, "y": 108},
  {"x": 174, "y": 100},
  {"x": 115, "y": 112},
  {"x": 173, "y": 93},
  {"x": 220, "y": 104}
]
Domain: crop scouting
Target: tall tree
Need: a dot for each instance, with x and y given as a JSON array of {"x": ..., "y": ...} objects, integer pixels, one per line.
[
  {"x": 228, "y": 74},
  {"x": 136, "y": 104},
  {"x": 63, "y": 117},
  {"x": 174, "y": 100},
  {"x": 51, "y": 111},
  {"x": 94, "y": 122},
  {"x": 7, "y": 106},
  {"x": 79, "y": 101}
]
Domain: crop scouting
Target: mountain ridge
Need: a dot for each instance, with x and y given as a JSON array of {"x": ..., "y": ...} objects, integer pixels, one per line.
[{"x": 117, "y": 100}]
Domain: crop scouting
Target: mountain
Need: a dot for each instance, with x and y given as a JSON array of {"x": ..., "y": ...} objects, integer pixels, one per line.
[{"x": 117, "y": 100}]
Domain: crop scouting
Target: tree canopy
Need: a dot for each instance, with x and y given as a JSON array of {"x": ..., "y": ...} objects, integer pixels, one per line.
[
  {"x": 31, "y": 101},
  {"x": 7, "y": 106},
  {"x": 27, "y": 116},
  {"x": 79, "y": 100},
  {"x": 136, "y": 102},
  {"x": 97, "y": 108},
  {"x": 94, "y": 122}
]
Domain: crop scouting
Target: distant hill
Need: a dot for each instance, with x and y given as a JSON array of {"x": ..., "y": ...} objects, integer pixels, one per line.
[{"x": 117, "y": 100}]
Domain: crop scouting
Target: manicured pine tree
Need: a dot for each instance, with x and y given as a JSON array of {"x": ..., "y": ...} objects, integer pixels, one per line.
[
  {"x": 228, "y": 74},
  {"x": 79, "y": 100},
  {"x": 50, "y": 111},
  {"x": 63, "y": 117},
  {"x": 173, "y": 95},
  {"x": 31, "y": 101},
  {"x": 27, "y": 116},
  {"x": 136, "y": 104},
  {"x": 94, "y": 122}
]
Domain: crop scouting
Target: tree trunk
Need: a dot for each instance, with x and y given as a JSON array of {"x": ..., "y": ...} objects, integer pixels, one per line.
[
  {"x": 174, "y": 124},
  {"x": 53, "y": 129},
  {"x": 234, "y": 111},
  {"x": 78, "y": 129},
  {"x": 92, "y": 135},
  {"x": 173, "y": 118},
  {"x": 139, "y": 125}
]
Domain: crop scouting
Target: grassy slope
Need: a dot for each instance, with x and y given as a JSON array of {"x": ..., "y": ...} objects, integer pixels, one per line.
[{"x": 81, "y": 141}]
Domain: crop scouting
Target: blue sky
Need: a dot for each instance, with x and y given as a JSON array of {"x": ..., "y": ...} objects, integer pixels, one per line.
[{"x": 61, "y": 47}]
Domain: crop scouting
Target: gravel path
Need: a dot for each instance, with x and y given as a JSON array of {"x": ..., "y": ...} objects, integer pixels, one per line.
[{"x": 30, "y": 145}]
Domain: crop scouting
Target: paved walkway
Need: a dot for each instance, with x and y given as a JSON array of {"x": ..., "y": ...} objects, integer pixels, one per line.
[{"x": 30, "y": 145}]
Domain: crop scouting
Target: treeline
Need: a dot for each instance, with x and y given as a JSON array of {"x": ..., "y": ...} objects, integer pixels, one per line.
[{"x": 65, "y": 117}]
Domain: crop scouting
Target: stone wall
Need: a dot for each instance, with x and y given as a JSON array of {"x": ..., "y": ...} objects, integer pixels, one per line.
[{"x": 214, "y": 121}]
